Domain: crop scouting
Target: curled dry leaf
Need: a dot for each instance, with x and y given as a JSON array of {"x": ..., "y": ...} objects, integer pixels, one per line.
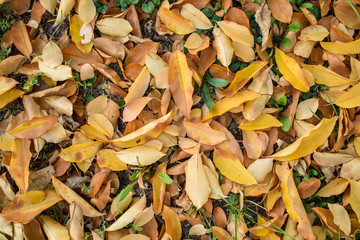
[
  {"x": 80, "y": 152},
  {"x": 21, "y": 38},
  {"x": 203, "y": 133},
  {"x": 172, "y": 223},
  {"x": 53, "y": 229},
  {"x": 264, "y": 121},
  {"x": 175, "y": 22}
]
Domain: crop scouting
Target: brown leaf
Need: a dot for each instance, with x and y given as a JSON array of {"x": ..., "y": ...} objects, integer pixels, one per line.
[
  {"x": 21, "y": 38},
  {"x": 19, "y": 165},
  {"x": 281, "y": 10}
]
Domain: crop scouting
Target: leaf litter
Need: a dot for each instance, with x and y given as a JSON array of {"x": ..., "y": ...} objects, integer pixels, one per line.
[{"x": 179, "y": 120}]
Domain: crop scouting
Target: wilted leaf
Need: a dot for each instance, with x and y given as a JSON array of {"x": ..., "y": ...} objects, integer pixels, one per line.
[
  {"x": 70, "y": 196},
  {"x": 262, "y": 122},
  {"x": 53, "y": 229},
  {"x": 291, "y": 71},
  {"x": 28, "y": 205},
  {"x": 237, "y": 32},
  {"x": 114, "y": 27},
  {"x": 21, "y": 38},
  {"x": 52, "y": 55},
  {"x": 140, "y": 155},
  {"x": 203, "y": 133},
  {"x": 35, "y": 127},
  {"x": 172, "y": 223},
  {"x": 107, "y": 158},
  {"x": 196, "y": 16},
  {"x": 80, "y": 152}
]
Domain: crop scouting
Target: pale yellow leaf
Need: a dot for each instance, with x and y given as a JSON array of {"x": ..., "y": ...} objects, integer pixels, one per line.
[
  {"x": 196, "y": 16},
  {"x": 262, "y": 122},
  {"x": 237, "y": 32},
  {"x": 53, "y": 229},
  {"x": 223, "y": 47},
  {"x": 87, "y": 10},
  {"x": 114, "y": 27},
  {"x": 307, "y": 108},
  {"x": 52, "y": 55},
  {"x": 140, "y": 155},
  {"x": 341, "y": 217}
]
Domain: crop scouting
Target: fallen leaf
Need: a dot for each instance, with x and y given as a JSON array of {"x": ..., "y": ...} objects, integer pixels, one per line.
[
  {"x": 52, "y": 55},
  {"x": 325, "y": 76},
  {"x": 70, "y": 196},
  {"x": 180, "y": 81},
  {"x": 107, "y": 158},
  {"x": 87, "y": 10},
  {"x": 306, "y": 109},
  {"x": 49, "y": 5},
  {"x": 281, "y": 10},
  {"x": 314, "y": 33},
  {"x": 223, "y": 47},
  {"x": 134, "y": 108},
  {"x": 291, "y": 71},
  {"x": 172, "y": 223},
  {"x": 264, "y": 121},
  {"x": 60, "y": 104},
  {"x": 139, "y": 86},
  {"x": 21, "y": 38},
  {"x": 237, "y": 32},
  {"x": 76, "y": 222},
  {"x": 80, "y": 152},
  {"x": 341, "y": 217},
  {"x": 6, "y": 84},
  {"x": 175, "y": 22},
  {"x": 53, "y": 229},
  {"x": 140, "y": 155},
  {"x": 334, "y": 187},
  {"x": 10, "y": 96},
  {"x": 230, "y": 166},
  {"x": 307, "y": 143},
  {"x": 203, "y": 133},
  {"x": 197, "y": 17},
  {"x": 349, "y": 99},
  {"x": 114, "y": 27}
]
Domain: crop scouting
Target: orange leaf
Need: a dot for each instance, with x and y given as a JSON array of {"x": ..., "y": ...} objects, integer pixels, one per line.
[
  {"x": 139, "y": 86},
  {"x": 75, "y": 26},
  {"x": 26, "y": 206},
  {"x": 172, "y": 223},
  {"x": 134, "y": 108},
  {"x": 281, "y": 10},
  {"x": 180, "y": 80},
  {"x": 70, "y": 196},
  {"x": 20, "y": 160},
  {"x": 145, "y": 133},
  {"x": 203, "y": 133},
  {"x": 6, "y": 84},
  {"x": 35, "y": 127},
  {"x": 10, "y": 96},
  {"x": 175, "y": 22},
  {"x": 158, "y": 189},
  {"x": 21, "y": 38}
]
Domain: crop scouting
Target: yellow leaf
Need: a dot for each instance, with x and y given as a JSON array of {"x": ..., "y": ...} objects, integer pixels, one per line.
[
  {"x": 242, "y": 77},
  {"x": 314, "y": 33},
  {"x": 221, "y": 233},
  {"x": 140, "y": 155},
  {"x": 325, "y": 76},
  {"x": 93, "y": 133},
  {"x": 197, "y": 185},
  {"x": 114, "y": 27},
  {"x": 52, "y": 55},
  {"x": 10, "y": 96},
  {"x": 306, "y": 108},
  {"x": 134, "y": 108},
  {"x": 194, "y": 41},
  {"x": 6, "y": 141},
  {"x": 6, "y": 84},
  {"x": 20, "y": 160},
  {"x": 145, "y": 133},
  {"x": 70, "y": 196},
  {"x": 223, "y": 47},
  {"x": 101, "y": 123},
  {"x": 354, "y": 197},
  {"x": 80, "y": 152},
  {"x": 158, "y": 188},
  {"x": 175, "y": 22},
  {"x": 53, "y": 229},
  {"x": 229, "y": 165},
  {"x": 350, "y": 99},
  {"x": 87, "y": 10},
  {"x": 197, "y": 17},
  {"x": 228, "y": 103},
  {"x": 118, "y": 207},
  {"x": 129, "y": 216},
  {"x": 295, "y": 207},
  {"x": 262, "y": 122},
  {"x": 135, "y": 237},
  {"x": 291, "y": 71},
  {"x": 180, "y": 81},
  {"x": 172, "y": 223},
  {"x": 27, "y": 206},
  {"x": 203, "y": 133},
  {"x": 75, "y": 25},
  {"x": 64, "y": 10},
  {"x": 341, "y": 217},
  {"x": 307, "y": 143},
  {"x": 342, "y": 48},
  {"x": 59, "y": 73},
  {"x": 237, "y": 32},
  {"x": 107, "y": 158},
  {"x": 60, "y": 104},
  {"x": 49, "y": 5},
  {"x": 334, "y": 187},
  {"x": 35, "y": 127},
  {"x": 213, "y": 179},
  {"x": 139, "y": 87}
]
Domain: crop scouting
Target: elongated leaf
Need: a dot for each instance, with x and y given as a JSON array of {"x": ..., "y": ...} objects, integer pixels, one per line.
[
  {"x": 342, "y": 48},
  {"x": 197, "y": 185},
  {"x": 53, "y": 229},
  {"x": 262, "y": 122},
  {"x": 70, "y": 196},
  {"x": 175, "y": 22},
  {"x": 87, "y": 10},
  {"x": 158, "y": 189},
  {"x": 230, "y": 166},
  {"x": 172, "y": 223},
  {"x": 52, "y": 55},
  {"x": 242, "y": 77},
  {"x": 196, "y": 16},
  {"x": 145, "y": 133},
  {"x": 27, "y": 206},
  {"x": 223, "y": 47},
  {"x": 6, "y": 84},
  {"x": 291, "y": 71},
  {"x": 64, "y": 10},
  {"x": 341, "y": 217},
  {"x": 203, "y": 133},
  {"x": 80, "y": 152},
  {"x": 325, "y": 76},
  {"x": 294, "y": 206},
  {"x": 228, "y": 103},
  {"x": 217, "y": 82},
  {"x": 107, "y": 158},
  {"x": 207, "y": 98},
  {"x": 35, "y": 127},
  {"x": 139, "y": 86},
  {"x": 133, "y": 109},
  {"x": 350, "y": 99},
  {"x": 307, "y": 143},
  {"x": 334, "y": 187},
  {"x": 21, "y": 38},
  {"x": 20, "y": 160},
  {"x": 115, "y": 27},
  {"x": 180, "y": 80},
  {"x": 10, "y": 96}
]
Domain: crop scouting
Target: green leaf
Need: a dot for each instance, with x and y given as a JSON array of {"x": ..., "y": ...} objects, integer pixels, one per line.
[
  {"x": 207, "y": 11},
  {"x": 207, "y": 98},
  {"x": 285, "y": 42},
  {"x": 295, "y": 26},
  {"x": 137, "y": 228},
  {"x": 217, "y": 6},
  {"x": 126, "y": 191},
  {"x": 306, "y": 5},
  {"x": 157, "y": 2},
  {"x": 148, "y": 7},
  {"x": 165, "y": 178},
  {"x": 217, "y": 82},
  {"x": 286, "y": 123},
  {"x": 283, "y": 100},
  {"x": 134, "y": 1}
]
